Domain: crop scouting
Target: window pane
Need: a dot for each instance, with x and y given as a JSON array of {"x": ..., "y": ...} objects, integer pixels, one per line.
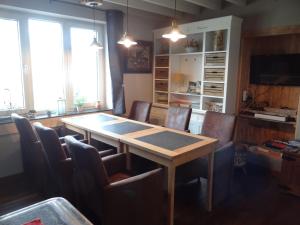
[
  {"x": 11, "y": 82},
  {"x": 46, "y": 46},
  {"x": 84, "y": 68}
]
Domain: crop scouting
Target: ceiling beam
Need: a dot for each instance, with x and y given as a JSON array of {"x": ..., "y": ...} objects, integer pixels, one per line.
[
  {"x": 210, "y": 4},
  {"x": 238, "y": 2},
  {"x": 182, "y": 6},
  {"x": 135, "y": 4},
  {"x": 145, "y": 6}
]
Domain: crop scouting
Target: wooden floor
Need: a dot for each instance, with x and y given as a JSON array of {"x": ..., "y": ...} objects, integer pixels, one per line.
[{"x": 255, "y": 200}]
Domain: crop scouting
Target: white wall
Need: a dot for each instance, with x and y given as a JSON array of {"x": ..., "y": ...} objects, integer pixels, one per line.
[
  {"x": 139, "y": 86},
  {"x": 261, "y": 14}
]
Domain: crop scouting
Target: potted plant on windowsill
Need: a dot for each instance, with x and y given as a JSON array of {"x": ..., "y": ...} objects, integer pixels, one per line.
[{"x": 79, "y": 102}]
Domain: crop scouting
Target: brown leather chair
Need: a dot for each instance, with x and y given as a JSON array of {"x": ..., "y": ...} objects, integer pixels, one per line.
[
  {"x": 140, "y": 111},
  {"x": 178, "y": 118},
  {"x": 220, "y": 126},
  {"x": 35, "y": 162},
  {"x": 59, "y": 159},
  {"x": 109, "y": 191}
]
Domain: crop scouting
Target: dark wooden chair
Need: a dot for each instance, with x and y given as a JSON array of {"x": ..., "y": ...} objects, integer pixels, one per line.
[
  {"x": 220, "y": 126},
  {"x": 107, "y": 189},
  {"x": 178, "y": 118},
  {"x": 35, "y": 162},
  {"x": 140, "y": 111},
  {"x": 59, "y": 159}
]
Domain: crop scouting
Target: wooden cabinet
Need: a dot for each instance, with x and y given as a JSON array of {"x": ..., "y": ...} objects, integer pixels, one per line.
[
  {"x": 199, "y": 71},
  {"x": 290, "y": 173}
]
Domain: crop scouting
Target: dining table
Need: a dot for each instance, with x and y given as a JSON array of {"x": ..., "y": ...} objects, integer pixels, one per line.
[{"x": 167, "y": 147}]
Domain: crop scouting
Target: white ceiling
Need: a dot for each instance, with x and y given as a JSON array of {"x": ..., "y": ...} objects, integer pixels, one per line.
[{"x": 166, "y": 7}]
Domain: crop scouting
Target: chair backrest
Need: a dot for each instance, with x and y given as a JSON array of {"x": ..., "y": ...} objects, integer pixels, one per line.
[
  {"x": 140, "y": 111},
  {"x": 219, "y": 125},
  {"x": 178, "y": 118},
  {"x": 51, "y": 143},
  {"x": 88, "y": 163},
  {"x": 35, "y": 160}
]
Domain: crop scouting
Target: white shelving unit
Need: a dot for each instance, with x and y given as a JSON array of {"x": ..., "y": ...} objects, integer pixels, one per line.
[{"x": 203, "y": 76}]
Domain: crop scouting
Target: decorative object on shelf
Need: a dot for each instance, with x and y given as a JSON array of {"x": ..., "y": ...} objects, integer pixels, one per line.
[
  {"x": 191, "y": 46},
  {"x": 179, "y": 82},
  {"x": 214, "y": 106},
  {"x": 175, "y": 34},
  {"x": 31, "y": 113},
  {"x": 218, "y": 40},
  {"x": 163, "y": 46},
  {"x": 49, "y": 113},
  {"x": 198, "y": 87},
  {"x": 126, "y": 40},
  {"x": 139, "y": 58},
  {"x": 61, "y": 106},
  {"x": 192, "y": 87}
]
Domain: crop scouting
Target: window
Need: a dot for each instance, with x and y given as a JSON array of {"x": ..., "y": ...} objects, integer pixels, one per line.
[
  {"x": 11, "y": 82},
  {"x": 46, "y": 50},
  {"x": 84, "y": 66},
  {"x": 47, "y": 61}
]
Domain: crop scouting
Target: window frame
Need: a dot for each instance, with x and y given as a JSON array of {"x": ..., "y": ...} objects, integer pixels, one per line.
[{"x": 66, "y": 23}]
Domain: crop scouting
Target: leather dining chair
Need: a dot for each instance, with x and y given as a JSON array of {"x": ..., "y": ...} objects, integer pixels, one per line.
[
  {"x": 108, "y": 190},
  {"x": 140, "y": 111},
  {"x": 220, "y": 126},
  {"x": 178, "y": 118},
  {"x": 35, "y": 162},
  {"x": 59, "y": 159}
]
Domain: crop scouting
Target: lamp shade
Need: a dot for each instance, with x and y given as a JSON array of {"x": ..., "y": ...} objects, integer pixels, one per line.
[
  {"x": 126, "y": 41},
  {"x": 96, "y": 45},
  {"x": 175, "y": 34}
]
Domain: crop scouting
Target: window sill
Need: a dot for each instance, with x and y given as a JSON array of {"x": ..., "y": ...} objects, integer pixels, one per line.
[{"x": 7, "y": 119}]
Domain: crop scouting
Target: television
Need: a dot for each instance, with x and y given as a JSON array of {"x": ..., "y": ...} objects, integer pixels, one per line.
[{"x": 283, "y": 69}]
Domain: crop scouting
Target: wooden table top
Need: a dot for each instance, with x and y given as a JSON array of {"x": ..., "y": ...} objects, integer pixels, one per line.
[{"x": 168, "y": 143}]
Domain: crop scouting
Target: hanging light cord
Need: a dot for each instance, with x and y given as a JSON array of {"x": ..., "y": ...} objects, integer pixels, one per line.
[
  {"x": 127, "y": 18},
  {"x": 175, "y": 9},
  {"x": 94, "y": 20}
]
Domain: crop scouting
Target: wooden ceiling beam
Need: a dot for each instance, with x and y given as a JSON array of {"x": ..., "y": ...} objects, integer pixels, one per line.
[
  {"x": 210, "y": 4},
  {"x": 182, "y": 6},
  {"x": 238, "y": 2}
]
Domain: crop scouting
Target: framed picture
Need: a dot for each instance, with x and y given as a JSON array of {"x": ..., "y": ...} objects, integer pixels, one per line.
[{"x": 139, "y": 58}]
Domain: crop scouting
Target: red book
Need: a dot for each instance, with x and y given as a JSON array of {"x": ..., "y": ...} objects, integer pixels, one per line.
[{"x": 34, "y": 222}]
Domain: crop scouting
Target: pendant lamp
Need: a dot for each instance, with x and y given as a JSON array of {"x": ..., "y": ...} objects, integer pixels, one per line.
[
  {"x": 95, "y": 44},
  {"x": 175, "y": 34},
  {"x": 126, "y": 40}
]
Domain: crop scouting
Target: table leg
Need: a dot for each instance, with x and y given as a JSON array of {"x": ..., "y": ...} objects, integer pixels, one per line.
[
  {"x": 171, "y": 194},
  {"x": 88, "y": 136},
  {"x": 210, "y": 181},
  {"x": 128, "y": 157}
]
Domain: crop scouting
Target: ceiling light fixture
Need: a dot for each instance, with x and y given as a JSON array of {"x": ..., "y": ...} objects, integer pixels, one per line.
[
  {"x": 175, "y": 34},
  {"x": 92, "y": 3},
  {"x": 126, "y": 40},
  {"x": 95, "y": 44}
]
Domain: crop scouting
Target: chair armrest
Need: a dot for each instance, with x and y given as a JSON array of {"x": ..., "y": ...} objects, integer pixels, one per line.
[
  {"x": 62, "y": 139},
  {"x": 224, "y": 156},
  {"x": 135, "y": 199},
  {"x": 106, "y": 153},
  {"x": 65, "y": 167},
  {"x": 115, "y": 163}
]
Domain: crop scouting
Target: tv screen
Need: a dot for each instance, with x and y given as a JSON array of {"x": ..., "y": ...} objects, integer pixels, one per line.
[{"x": 281, "y": 70}]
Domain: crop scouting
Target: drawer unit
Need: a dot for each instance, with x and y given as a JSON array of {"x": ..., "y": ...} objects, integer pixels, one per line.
[
  {"x": 213, "y": 89},
  {"x": 162, "y": 61},
  {"x": 161, "y": 73},
  {"x": 215, "y": 59},
  {"x": 161, "y": 85},
  {"x": 214, "y": 74}
]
